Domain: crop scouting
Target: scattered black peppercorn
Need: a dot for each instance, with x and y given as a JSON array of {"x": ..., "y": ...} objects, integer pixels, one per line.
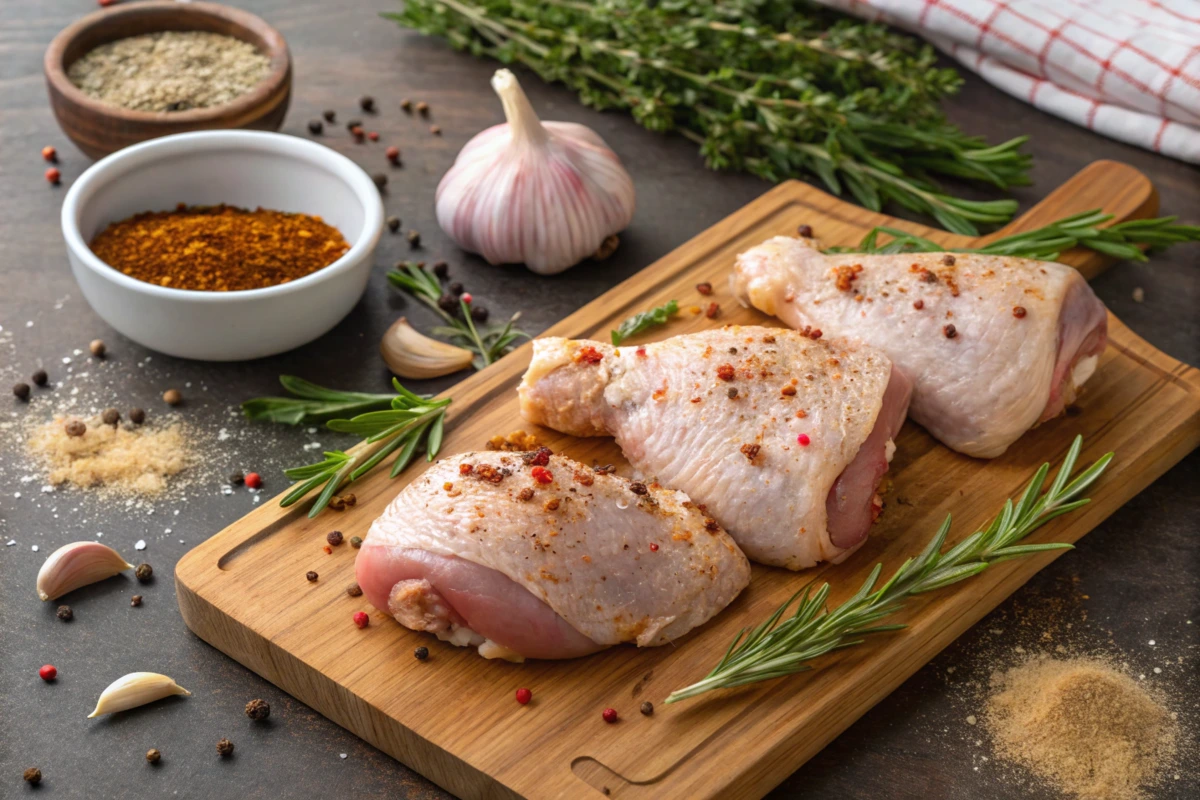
[
  {"x": 456, "y": 289},
  {"x": 111, "y": 417},
  {"x": 315, "y": 126},
  {"x": 805, "y": 230},
  {"x": 334, "y": 538},
  {"x": 21, "y": 390},
  {"x": 393, "y": 224},
  {"x": 40, "y": 377},
  {"x": 367, "y": 103},
  {"x": 98, "y": 348},
  {"x": 448, "y": 303},
  {"x": 647, "y": 708},
  {"x": 224, "y": 748},
  {"x": 258, "y": 710},
  {"x": 950, "y": 331},
  {"x": 172, "y": 397},
  {"x": 436, "y": 130},
  {"x": 153, "y": 756},
  {"x": 423, "y": 108},
  {"x": 441, "y": 269},
  {"x": 421, "y": 653},
  {"x": 330, "y": 115},
  {"x": 76, "y": 428},
  {"x": 65, "y": 613},
  {"x": 414, "y": 239},
  {"x": 237, "y": 478},
  {"x": 406, "y": 105},
  {"x": 137, "y": 416},
  {"x": 312, "y": 576},
  {"x": 380, "y": 180},
  {"x": 732, "y": 393},
  {"x": 948, "y": 260},
  {"x": 144, "y": 573},
  {"x": 354, "y": 590},
  {"x": 638, "y": 488},
  {"x": 33, "y": 775},
  {"x": 356, "y": 542},
  {"x": 479, "y": 313},
  {"x": 354, "y": 123},
  {"x": 135, "y": 601}
]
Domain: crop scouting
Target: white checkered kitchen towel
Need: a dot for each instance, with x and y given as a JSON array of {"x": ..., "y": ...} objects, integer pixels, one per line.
[{"x": 1127, "y": 69}]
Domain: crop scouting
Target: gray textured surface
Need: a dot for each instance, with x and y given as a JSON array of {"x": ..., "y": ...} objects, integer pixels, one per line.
[{"x": 1133, "y": 579}]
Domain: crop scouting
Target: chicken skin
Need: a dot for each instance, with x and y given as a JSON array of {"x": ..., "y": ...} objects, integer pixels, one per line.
[
  {"x": 536, "y": 556},
  {"x": 993, "y": 345},
  {"x": 783, "y": 438}
]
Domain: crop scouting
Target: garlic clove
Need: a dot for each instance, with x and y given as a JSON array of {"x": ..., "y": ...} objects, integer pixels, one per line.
[
  {"x": 77, "y": 564},
  {"x": 411, "y": 354},
  {"x": 135, "y": 689},
  {"x": 545, "y": 194}
]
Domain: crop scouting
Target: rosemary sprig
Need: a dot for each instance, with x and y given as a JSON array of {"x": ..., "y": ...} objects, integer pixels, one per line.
[
  {"x": 774, "y": 87},
  {"x": 311, "y": 403},
  {"x": 488, "y": 344},
  {"x": 781, "y": 646},
  {"x": 1125, "y": 240},
  {"x": 410, "y": 424},
  {"x": 644, "y": 321}
]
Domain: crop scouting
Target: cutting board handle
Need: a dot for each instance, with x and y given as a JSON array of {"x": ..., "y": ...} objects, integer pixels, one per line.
[{"x": 1117, "y": 188}]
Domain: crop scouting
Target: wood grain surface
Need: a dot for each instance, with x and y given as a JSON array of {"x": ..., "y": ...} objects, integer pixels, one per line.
[{"x": 244, "y": 590}]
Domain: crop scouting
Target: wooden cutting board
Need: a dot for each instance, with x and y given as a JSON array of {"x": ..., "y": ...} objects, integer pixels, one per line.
[{"x": 453, "y": 718}]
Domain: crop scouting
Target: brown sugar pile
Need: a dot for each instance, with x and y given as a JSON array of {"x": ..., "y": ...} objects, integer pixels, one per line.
[
  {"x": 125, "y": 460},
  {"x": 1081, "y": 726}
]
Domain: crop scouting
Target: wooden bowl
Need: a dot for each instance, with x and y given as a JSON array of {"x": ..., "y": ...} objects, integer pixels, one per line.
[{"x": 99, "y": 129}]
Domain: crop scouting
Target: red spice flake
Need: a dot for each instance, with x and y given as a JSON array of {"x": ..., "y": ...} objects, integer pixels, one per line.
[
  {"x": 801, "y": 414},
  {"x": 833, "y": 362},
  {"x": 588, "y": 355},
  {"x": 539, "y": 457},
  {"x": 712, "y": 311},
  {"x": 551, "y": 504},
  {"x": 328, "y": 550},
  {"x": 489, "y": 473},
  {"x": 48, "y": 672},
  {"x": 542, "y": 475},
  {"x": 803, "y": 440},
  {"x": 710, "y": 524},
  {"x": 659, "y": 394},
  {"x": 253, "y": 480},
  {"x": 1019, "y": 311},
  {"x": 846, "y": 275},
  {"x": 586, "y": 478},
  {"x": 768, "y": 339},
  {"x": 858, "y": 298},
  {"x": 641, "y": 351},
  {"x": 361, "y": 619},
  {"x": 788, "y": 391},
  {"x": 447, "y": 486},
  {"x": 653, "y": 547},
  {"x": 609, "y": 715},
  {"x": 751, "y": 451},
  {"x": 810, "y": 332},
  {"x": 918, "y": 304},
  {"x": 525, "y": 495},
  {"x": 465, "y": 469},
  {"x": 950, "y": 331},
  {"x": 725, "y": 372},
  {"x": 704, "y": 288},
  {"x": 524, "y": 696}
]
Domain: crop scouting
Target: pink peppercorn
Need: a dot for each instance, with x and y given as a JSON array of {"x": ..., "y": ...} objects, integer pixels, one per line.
[
  {"x": 48, "y": 673},
  {"x": 653, "y": 547},
  {"x": 524, "y": 696},
  {"x": 361, "y": 619},
  {"x": 610, "y": 715},
  {"x": 393, "y": 154},
  {"x": 466, "y": 298},
  {"x": 541, "y": 475},
  {"x": 803, "y": 440},
  {"x": 53, "y": 176},
  {"x": 373, "y": 136},
  {"x": 253, "y": 480}
]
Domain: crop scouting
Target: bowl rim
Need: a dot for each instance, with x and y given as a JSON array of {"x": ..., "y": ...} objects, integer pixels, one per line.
[
  {"x": 131, "y": 158},
  {"x": 277, "y": 50}
]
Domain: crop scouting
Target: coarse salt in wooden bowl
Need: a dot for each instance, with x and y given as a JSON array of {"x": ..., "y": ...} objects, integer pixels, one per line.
[{"x": 99, "y": 129}]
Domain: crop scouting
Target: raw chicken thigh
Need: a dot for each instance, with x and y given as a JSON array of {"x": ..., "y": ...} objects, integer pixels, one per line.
[
  {"x": 537, "y": 556},
  {"x": 993, "y": 345},
  {"x": 783, "y": 438}
]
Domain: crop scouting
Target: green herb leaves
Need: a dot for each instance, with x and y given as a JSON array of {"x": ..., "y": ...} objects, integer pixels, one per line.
[
  {"x": 781, "y": 646},
  {"x": 488, "y": 344},
  {"x": 771, "y": 87},
  {"x": 409, "y": 424},
  {"x": 644, "y": 321}
]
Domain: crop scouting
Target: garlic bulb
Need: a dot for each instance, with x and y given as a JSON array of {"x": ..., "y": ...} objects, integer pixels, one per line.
[
  {"x": 135, "y": 689},
  {"x": 77, "y": 564},
  {"x": 410, "y": 354},
  {"x": 546, "y": 194}
]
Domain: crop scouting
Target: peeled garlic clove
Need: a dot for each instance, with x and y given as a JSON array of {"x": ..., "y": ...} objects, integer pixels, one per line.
[
  {"x": 411, "y": 354},
  {"x": 135, "y": 689},
  {"x": 546, "y": 194},
  {"x": 77, "y": 564}
]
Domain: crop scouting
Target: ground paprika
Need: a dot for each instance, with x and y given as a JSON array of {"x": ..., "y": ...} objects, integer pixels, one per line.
[{"x": 219, "y": 248}]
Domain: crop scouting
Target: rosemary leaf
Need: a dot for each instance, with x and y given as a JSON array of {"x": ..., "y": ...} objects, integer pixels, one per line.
[
  {"x": 311, "y": 403},
  {"x": 644, "y": 321}
]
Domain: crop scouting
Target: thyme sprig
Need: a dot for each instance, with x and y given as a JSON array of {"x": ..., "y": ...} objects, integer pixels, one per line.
[
  {"x": 488, "y": 344},
  {"x": 409, "y": 424},
  {"x": 773, "y": 87},
  {"x": 1128, "y": 240},
  {"x": 780, "y": 646},
  {"x": 644, "y": 321}
]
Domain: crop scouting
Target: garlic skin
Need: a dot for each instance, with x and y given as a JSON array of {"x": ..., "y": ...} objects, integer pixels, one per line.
[
  {"x": 545, "y": 194},
  {"x": 135, "y": 689},
  {"x": 77, "y": 564},
  {"x": 410, "y": 354}
]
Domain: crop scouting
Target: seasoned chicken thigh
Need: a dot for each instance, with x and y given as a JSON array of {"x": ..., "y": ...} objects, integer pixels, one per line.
[
  {"x": 537, "y": 556},
  {"x": 783, "y": 438},
  {"x": 993, "y": 345}
]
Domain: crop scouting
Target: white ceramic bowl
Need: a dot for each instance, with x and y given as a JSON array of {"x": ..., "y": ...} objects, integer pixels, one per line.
[{"x": 241, "y": 168}]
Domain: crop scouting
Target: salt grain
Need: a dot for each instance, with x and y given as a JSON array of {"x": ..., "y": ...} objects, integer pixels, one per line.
[{"x": 141, "y": 545}]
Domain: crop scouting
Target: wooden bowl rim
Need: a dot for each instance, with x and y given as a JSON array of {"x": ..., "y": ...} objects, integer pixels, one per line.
[{"x": 276, "y": 50}]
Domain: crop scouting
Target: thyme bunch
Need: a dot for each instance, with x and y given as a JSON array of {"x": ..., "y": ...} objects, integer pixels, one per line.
[
  {"x": 774, "y": 87},
  {"x": 780, "y": 646}
]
